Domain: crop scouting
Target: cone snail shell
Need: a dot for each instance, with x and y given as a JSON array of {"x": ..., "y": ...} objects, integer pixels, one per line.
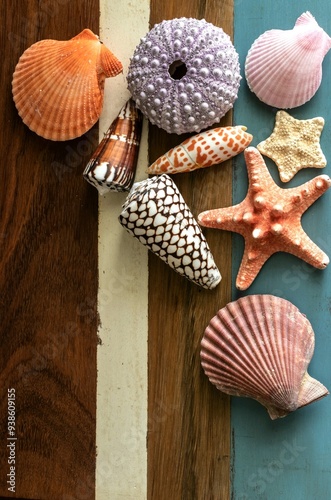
[
  {"x": 203, "y": 150},
  {"x": 112, "y": 166},
  {"x": 156, "y": 214}
]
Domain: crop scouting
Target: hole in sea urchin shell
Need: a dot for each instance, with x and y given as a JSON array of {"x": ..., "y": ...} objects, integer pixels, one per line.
[{"x": 177, "y": 70}]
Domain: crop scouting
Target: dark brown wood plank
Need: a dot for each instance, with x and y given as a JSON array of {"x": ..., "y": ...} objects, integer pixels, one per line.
[
  {"x": 189, "y": 421},
  {"x": 48, "y": 278}
]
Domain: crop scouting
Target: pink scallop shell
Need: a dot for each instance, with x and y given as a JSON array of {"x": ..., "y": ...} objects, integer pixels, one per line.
[
  {"x": 58, "y": 86},
  {"x": 260, "y": 347},
  {"x": 284, "y": 67}
]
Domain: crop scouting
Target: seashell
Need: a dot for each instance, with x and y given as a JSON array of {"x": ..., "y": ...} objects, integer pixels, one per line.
[
  {"x": 113, "y": 164},
  {"x": 203, "y": 150},
  {"x": 284, "y": 67},
  {"x": 260, "y": 347},
  {"x": 58, "y": 86},
  {"x": 184, "y": 75},
  {"x": 156, "y": 214}
]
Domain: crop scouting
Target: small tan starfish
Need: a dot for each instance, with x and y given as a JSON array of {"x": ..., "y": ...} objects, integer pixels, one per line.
[
  {"x": 294, "y": 144},
  {"x": 269, "y": 219}
]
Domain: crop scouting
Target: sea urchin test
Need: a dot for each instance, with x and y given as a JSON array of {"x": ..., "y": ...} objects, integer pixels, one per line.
[{"x": 184, "y": 75}]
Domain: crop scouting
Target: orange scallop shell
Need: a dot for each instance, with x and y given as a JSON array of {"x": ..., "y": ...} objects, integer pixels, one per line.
[{"x": 58, "y": 86}]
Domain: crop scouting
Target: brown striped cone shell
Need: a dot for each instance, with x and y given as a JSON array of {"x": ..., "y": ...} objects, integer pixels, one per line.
[
  {"x": 156, "y": 214},
  {"x": 203, "y": 150},
  {"x": 113, "y": 165},
  {"x": 260, "y": 347},
  {"x": 58, "y": 86}
]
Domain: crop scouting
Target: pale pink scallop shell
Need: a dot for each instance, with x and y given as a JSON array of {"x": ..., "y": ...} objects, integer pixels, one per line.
[
  {"x": 284, "y": 67},
  {"x": 260, "y": 347},
  {"x": 58, "y": 86}
]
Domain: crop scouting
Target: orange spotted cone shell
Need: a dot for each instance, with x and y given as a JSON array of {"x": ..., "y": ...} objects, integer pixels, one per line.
[{"x": 202, "y": 150}]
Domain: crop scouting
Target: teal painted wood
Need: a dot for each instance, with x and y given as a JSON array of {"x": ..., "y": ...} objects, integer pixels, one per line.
[{"x": 288, "y": 458}]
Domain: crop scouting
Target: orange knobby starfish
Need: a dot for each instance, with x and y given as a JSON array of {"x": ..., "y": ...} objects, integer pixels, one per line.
[{"x": 269, "y": 219}]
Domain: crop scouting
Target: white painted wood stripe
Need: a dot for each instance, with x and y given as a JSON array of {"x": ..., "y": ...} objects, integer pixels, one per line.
[{"x": 121, "y": 470}]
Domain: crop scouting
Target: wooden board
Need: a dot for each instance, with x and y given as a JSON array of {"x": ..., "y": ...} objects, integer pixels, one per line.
[
  {"x": 189, "y": 422},
  {"x": 48, "y": 281},
  {"x": 287, "y": 458}
]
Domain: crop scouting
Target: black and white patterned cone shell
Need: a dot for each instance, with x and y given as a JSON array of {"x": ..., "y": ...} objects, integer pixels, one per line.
[{"x": 157, "y": 215}]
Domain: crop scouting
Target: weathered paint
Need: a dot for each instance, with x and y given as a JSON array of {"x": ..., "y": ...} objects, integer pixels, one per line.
[
  {"x": 121, "y": 469},
  {"x": 288, "y": 458}
]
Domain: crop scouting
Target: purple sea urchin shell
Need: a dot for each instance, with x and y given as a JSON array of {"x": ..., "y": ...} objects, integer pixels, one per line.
[{"x": 184, "y": 75}]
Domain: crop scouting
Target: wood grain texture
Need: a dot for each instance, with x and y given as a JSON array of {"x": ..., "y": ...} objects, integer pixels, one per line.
[
  {"x": 48, "y": 278},
  {"x": 189, "y": 420}
]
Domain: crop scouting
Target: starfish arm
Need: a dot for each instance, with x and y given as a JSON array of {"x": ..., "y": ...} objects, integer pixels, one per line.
[
  {"x": 222, "y": 218},
  {"x": 305, "y": 195},
  {"x": 258, "y": 173},
  {"x": 304, "y": 248},
  {"x": 251, "y": 264}
]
